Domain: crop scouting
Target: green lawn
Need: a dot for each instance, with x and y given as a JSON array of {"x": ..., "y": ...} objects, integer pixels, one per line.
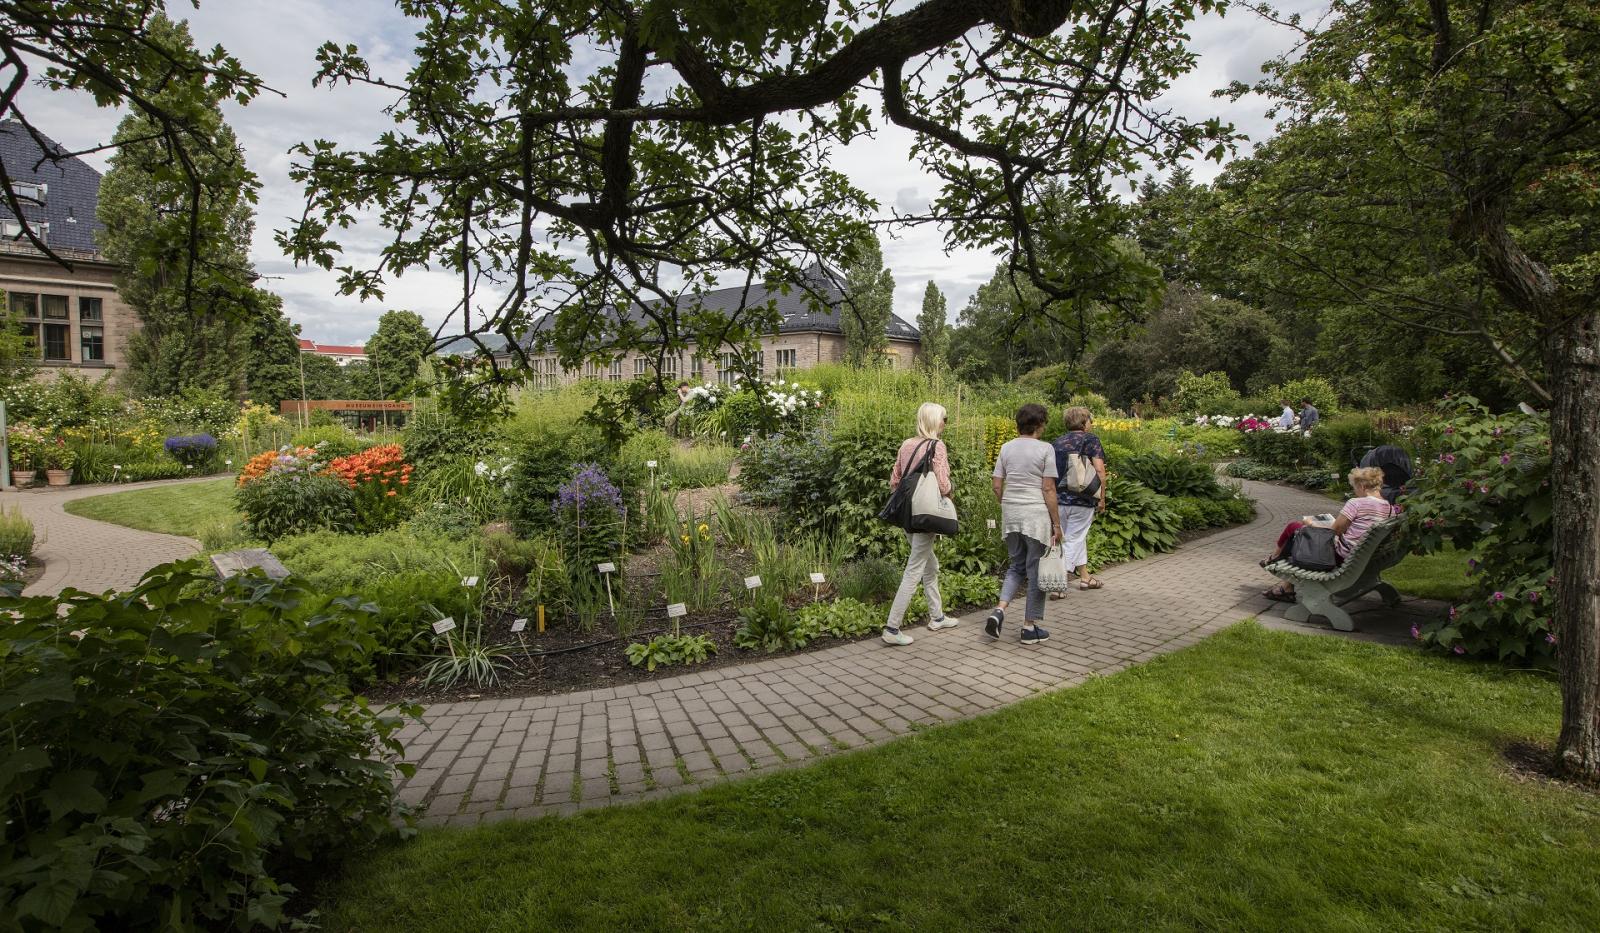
[
  {"x": 1441, "y": 575},
  {"x": 183, "y": 509},
  {"x": 1260, "y": 780}
]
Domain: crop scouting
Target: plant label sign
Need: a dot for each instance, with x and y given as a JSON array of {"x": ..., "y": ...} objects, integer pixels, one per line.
[
  {"x": 991, "y": 524},
  {"x": 819, "y": 579},
  {"x": 752, "y": 583},
  {"x": 469, "y": 581},
  {"x": 650, "y": 463},
  {"x": 677, "y": 611},
  {"x": 444, "y": 625},
  {"x": 518, "y": 625},
  {"x": 608, "y": 567}
]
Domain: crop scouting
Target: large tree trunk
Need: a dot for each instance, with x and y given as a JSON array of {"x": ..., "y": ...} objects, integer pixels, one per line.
[{"x": 1575, "y": 479}]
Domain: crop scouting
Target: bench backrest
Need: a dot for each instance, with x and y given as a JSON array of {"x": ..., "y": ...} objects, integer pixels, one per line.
[{"x": 1379, "y": 540}]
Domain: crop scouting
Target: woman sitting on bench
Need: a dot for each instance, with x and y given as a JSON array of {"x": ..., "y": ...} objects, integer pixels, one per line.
[{"x": 1366, "y": 508}]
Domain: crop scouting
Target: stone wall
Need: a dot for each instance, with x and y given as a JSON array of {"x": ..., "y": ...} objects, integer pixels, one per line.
[{"x": 25, "y": 274}]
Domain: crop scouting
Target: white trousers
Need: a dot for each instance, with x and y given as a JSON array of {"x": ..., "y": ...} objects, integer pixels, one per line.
[
  {"x": 921, "y": 567},
  {"x": 1075, "y": 522}
]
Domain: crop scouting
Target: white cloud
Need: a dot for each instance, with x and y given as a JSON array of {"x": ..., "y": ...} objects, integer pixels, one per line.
[{"x": 279, "y": 42}]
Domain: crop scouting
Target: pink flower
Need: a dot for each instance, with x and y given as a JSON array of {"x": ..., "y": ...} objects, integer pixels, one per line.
[
  {"x": 1550, "y": 637},
  {"x": 1416, "y": 633},
  {"x": 1505, "y": 459},
  {"x": 1459, "y": 650},
  {"x": 1533, "y": 596},
  {"x": 1498, "y": 596},
  {"x": 1452, "y": 612},
  {"x": 1449, "y": 429}
]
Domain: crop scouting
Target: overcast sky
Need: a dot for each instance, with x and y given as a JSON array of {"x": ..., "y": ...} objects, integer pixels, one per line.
[{"x": 278, "y": 41}]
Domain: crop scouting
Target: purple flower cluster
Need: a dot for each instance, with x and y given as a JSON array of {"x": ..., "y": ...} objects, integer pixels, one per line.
[
  {"x": 190, "y": 442},
  {"x": 589, "y": 493}
]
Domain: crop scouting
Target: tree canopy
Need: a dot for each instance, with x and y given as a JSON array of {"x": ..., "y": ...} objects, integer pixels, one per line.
[{"x": 690, "y": 145}]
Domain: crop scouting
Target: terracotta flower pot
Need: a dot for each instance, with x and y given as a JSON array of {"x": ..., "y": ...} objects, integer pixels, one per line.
[
  {"x": 24, "y": 477},
  {"x": 58, "y": 477}
]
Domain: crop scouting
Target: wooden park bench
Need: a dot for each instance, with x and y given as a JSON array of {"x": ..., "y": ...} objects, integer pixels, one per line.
[{"x": 1322, "y": 592}]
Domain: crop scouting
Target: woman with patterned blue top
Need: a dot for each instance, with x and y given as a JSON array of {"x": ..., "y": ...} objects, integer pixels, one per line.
[{"x": 1081, "y": 492}]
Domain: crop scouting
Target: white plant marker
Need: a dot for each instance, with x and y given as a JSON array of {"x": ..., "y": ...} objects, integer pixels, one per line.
[
  {"x": 817, "y": 579},
  {"x": 677, "y": 610},
  {"x": 606, "y": 570},
  {"x": 441, "y": 627},
  {"x": 469, "y": 582},
  {"x": 517, "y": 625},
  {"x": 991, "y": 524}
]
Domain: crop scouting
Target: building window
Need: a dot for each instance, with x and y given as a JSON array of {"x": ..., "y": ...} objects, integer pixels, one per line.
[
  {"x": 89, "y": 309},
  {"x": 641, "y": 367},
  {"x": 545, "y": 373},
  {"x": 31, "y": 191},
  {"x": 616, "y": 370},
  {"x": 24, "y": 305},
  {"x": 12, "y": 230},
  {"x": 669, "y": 366},
  {"x": 788, "y": 361},
  {"x": 591, "y": 370},
  {"x": 697, "y": 368},
  {"x": 727, "y": 367},
  {"x": 58, "y": 342},
  {"x": 56, "y": 307},
  {"x": 92, "y": 345}
]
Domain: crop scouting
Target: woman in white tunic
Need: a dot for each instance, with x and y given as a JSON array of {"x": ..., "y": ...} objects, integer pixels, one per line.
[{"x": 1025, "y": 482}]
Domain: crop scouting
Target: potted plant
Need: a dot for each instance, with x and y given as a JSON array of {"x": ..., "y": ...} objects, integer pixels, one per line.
[
  {"x": 26, "y": 443},
  {"x": 58, "y": 461}
]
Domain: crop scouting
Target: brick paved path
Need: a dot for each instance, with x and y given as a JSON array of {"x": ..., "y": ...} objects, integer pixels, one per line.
[
  {"x": 87, "y": 554},
  {"x": 514, "y": 758}
]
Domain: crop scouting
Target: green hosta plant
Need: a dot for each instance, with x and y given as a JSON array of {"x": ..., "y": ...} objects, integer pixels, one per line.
[
  {"x": 767, "y": 625},
  {"x": 956, "y": 590},
  {"x": 1487, "y": 491},
  {"x": 1172, "y": 475},
  {"x": 842, "y": 618},
  {"x": 676, "y": 648},
  {"x": 173, "y": 751},
  {"x": 1135, "y": 524}
]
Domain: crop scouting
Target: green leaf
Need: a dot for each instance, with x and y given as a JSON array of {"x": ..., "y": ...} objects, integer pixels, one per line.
[
  {"x": 50, "y": 903},
  {"x": 73, "y": 791}
]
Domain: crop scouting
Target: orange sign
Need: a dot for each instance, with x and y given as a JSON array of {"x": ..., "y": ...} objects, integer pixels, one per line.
[{"x": 295, "y": 407}]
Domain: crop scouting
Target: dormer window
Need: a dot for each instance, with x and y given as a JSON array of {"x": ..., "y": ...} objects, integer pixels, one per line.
[{"x": 30, "y": 192}]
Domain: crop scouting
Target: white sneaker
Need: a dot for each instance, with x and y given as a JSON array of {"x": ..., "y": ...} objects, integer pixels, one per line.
[
  {"x": 893, "y": 636},
  {"x": 947, "y": 622}
]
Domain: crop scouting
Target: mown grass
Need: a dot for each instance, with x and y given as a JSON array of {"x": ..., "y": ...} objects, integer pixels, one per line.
[
  {"x": 1441, "y": 575},
  {"x": 1260, "y": 780},
  {"x": 185, "y": 509}
]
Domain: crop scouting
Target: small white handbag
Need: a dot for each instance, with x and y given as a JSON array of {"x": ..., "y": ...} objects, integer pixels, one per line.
[{"x": 1053, "y": 574}]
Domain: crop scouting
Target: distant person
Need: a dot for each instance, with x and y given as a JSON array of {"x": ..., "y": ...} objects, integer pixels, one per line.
[
  {"x": 1081, "y": 492},
  {"x": 1286, "y": 419},
  {"x": 922, "y": 566},
  {"x": 1309, "y": 416},
  {"x": 1361, "y": 511},
  {"x": 671, "y": 421},
  {"x": 1030, "y": 520},
  {"x": 1396, "y": 466}
]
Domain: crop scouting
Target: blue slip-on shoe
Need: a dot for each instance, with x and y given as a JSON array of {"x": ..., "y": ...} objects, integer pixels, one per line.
[{"x": 1033, "y": 635}]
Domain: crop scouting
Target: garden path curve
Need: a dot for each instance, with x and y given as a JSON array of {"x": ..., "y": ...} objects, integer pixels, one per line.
[
  {"x": 87, "y": 554},
  {"x": 523, "y": 757}
]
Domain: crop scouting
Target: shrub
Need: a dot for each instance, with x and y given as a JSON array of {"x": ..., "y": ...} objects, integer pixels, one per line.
[
  {"x": 1135, "y": 524},
  {"x": 444, "y": 519},
  {"x": 289, "y": 503},
  {"x": 790, "y": 472},
  {"x": 26, "y": 446},
  {"x": 192, "y": 450},
  {"x": 1288, "y": 450},
  {"x": 473, "y": 483},
  {"x": 542, "y": 463},
  {"x": 1251, "y": 470},
  {"x": 1098, "y": 404},
  {"x": 1197, "y": 513},
  {"x": 1319, "y": 390},
  {"x": 1341, "y": 441},
  {"x": 1172, "y": 476},
  {"x": 1488, "y": 493},
  {"x": 16, "y": 534},
  {"x": 135, "y": 471},
  {"x": 432, "y": 438},
  {"x": 1056, "y": 382},
  {"x": 333, "y": 441},
  {"x": 13, "y": 575},
  {"x": 380, "y": 478},
  {"x": 996, "y": 431},
  {"x": 1208, "y": 394},
  {"x": 767, "y": 626},
  {"x": 958, "y": 590},
  {"x": 285, "y": 461},
  {"x": 630, "y": 471},
  {"x": 173, "y": 751}
]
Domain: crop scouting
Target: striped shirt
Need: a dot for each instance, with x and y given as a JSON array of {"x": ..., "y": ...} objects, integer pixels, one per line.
[{"x": 1363, "y": 514}]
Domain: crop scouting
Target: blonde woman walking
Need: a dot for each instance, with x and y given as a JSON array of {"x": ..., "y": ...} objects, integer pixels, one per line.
[{"x": 922, "y": 566}]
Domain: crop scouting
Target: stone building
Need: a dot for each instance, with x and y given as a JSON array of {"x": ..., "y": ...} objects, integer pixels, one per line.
[
  {"x": 805, "y": 338},
  {"x": 75, "y": 317}
]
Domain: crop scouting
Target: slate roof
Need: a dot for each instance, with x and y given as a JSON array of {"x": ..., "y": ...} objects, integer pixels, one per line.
[
  {"x": 73, "y": 189},
  {"x": 798, "y": 316}
]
